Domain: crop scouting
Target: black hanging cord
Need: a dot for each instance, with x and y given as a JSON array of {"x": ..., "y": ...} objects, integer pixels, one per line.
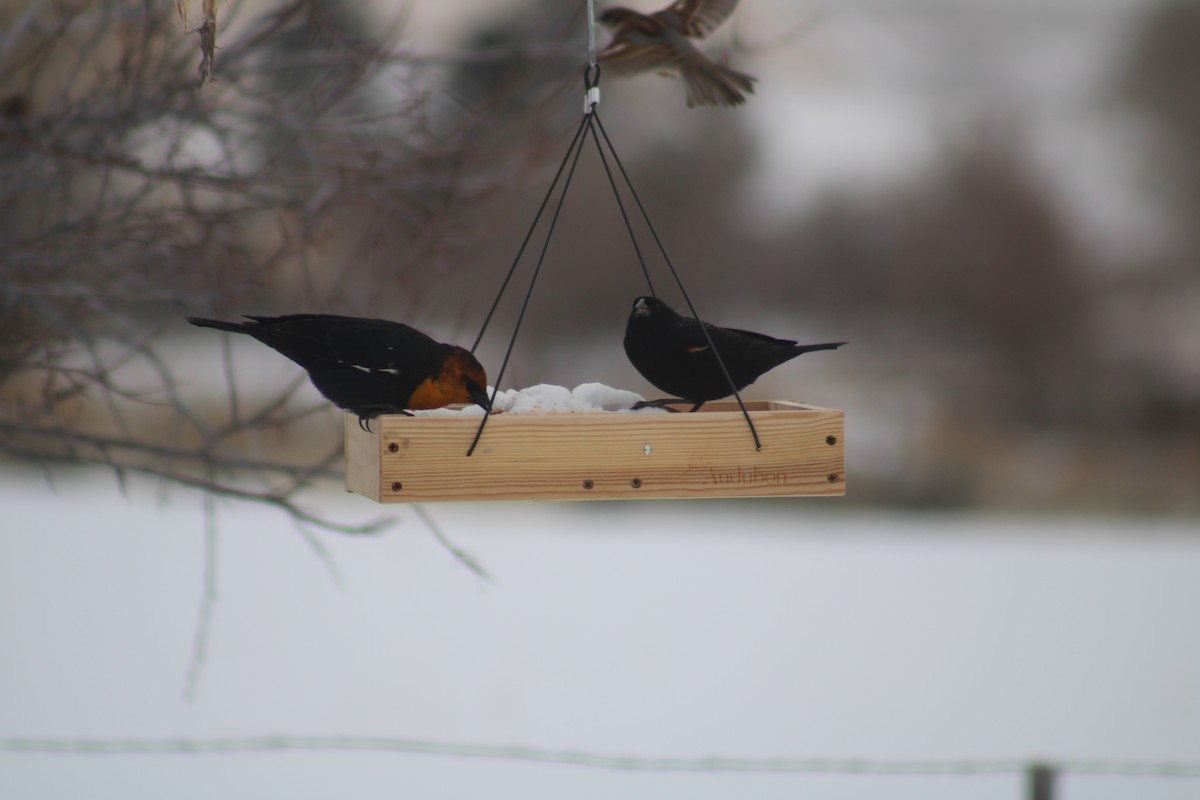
[
  {"x": 589, "y": 123},
  {"x": 674, "y": 274},
  {"x": 577, "y": 148},
  {"x": 620, "y": 205},
  {"x": 537, "y": 217}
]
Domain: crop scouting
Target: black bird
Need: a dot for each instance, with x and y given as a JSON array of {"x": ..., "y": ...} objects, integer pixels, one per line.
[
  {"x": 671, "y": 352},
  {"x": 661, "y": 42},
  {"x": 369, "y": 366}
]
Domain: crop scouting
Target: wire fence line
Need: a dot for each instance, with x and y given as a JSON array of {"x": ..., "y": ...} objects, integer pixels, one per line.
[{"x": 385, "y": 744}]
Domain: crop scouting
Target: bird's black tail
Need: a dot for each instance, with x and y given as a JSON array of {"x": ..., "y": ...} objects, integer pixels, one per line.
[
  {"x": 235, "y": 327},
  {"x": 808, "y": 348}
]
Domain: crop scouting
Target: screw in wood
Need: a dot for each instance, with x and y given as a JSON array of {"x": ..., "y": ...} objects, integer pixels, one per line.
[
  {"x": 397, "y": 486},
  {"x": 831, "y": 440},
  {"x": 833, "y": 477},
  {"x": 393, "y": 447},
  {"x": 636, "y": 483},
  {"x": 588, "y": 484}
]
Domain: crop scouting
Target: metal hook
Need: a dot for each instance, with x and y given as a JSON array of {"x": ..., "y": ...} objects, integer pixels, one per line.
[{"x": 591, "y": 82}]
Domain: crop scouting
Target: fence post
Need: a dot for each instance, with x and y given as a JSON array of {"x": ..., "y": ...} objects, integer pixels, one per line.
[{"x": 1040, "y": 781}]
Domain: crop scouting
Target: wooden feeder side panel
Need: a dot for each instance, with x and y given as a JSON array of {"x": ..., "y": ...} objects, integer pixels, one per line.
[
  {"x": 600, "y": 456},
  {"x": 363, "y": 454}
]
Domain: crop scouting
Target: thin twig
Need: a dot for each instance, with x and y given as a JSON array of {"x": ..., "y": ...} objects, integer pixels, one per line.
[
  {"x": 462, "y": 556},
  {"x": 208, "y": 601}
]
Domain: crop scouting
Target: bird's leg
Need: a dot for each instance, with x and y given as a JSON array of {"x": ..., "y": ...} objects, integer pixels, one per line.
[
  {"x": 658, "y": 404},
  {"x": 365, "y": 422},
  {"x": 697, "y": 406}
]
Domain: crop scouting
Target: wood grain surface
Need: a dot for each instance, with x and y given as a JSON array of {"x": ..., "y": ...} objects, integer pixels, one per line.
[{"x": 600, "y": 456}]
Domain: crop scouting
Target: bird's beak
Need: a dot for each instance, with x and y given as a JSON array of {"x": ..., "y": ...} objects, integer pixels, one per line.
[
  {"x": 640, "y": 308},
  {"x": 480, "y": 398}
]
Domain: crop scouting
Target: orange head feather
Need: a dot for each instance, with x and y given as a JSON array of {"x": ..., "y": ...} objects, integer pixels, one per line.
[{"x": 460, "y": 380}]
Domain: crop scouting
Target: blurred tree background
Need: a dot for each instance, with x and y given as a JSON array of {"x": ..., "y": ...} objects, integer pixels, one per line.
[{"x": 994, "y": 204}]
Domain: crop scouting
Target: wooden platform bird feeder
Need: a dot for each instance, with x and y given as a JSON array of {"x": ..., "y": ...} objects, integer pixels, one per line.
[
  {"x": 600, "y": 456},
  {"x": 728, "y": 448}
]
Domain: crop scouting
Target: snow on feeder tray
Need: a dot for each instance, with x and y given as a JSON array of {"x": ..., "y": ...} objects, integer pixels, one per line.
[{"x": 549, "y": 443}]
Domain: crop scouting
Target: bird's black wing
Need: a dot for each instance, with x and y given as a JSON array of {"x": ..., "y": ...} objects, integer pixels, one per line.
[
  {"x": 363, "y": 344},
  {"x": 368, "y": 366},
  {"x": 760, "y": 336},
  {"x": 746, "y": 355}
]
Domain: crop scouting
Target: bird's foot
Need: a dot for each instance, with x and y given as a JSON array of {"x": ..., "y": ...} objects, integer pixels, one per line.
[{"x": 663, "y": 404}]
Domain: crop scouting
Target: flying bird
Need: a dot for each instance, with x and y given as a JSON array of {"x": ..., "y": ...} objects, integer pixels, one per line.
[
  {"x": 671, "y": 352},
  {"x": 660, "y": 42},
  {"x": 369, "y": 366}
]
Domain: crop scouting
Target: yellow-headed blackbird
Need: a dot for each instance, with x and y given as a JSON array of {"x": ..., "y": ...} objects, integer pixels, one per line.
[
  {"x": 659, "y": 42},
  {"x": 671, "y": 352},
  {"x": 369, "y": 366}
]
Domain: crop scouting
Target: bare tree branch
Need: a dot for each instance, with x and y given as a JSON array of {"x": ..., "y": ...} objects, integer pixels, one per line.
[{"x": 314, "y": 175}]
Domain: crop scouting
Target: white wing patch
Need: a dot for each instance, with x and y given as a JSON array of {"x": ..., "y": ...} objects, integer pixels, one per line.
[{"x": 369, "y": 370}]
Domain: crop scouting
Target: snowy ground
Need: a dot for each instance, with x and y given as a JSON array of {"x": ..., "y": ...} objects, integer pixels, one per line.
[{"x": 741, "y": 629}]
